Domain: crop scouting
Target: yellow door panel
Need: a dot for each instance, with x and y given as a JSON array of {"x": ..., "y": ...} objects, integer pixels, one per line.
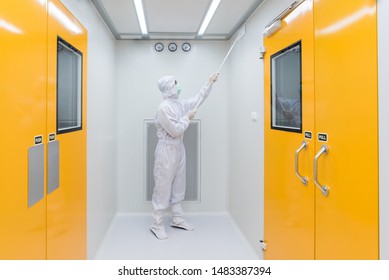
[
  {"x": 289, "y": 204},
  {"x": 346, "y": 109},
  {"x": 66, "y": 205},
  {"x": 23, "y": 37},
  {"x": 342, "y": 116}
]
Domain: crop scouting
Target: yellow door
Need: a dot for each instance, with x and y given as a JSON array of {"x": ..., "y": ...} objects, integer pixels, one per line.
[
  {"x": 66, "y": 128},
  {"x": 339, "y": 108},
  {"x": 23, "y": 25},
  {"x": 289, "y": 106},
  {"x": 346, "y": 109}
]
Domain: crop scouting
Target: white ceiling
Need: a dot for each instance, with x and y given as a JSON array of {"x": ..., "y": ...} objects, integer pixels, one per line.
[{"x": 175, "y": 19}]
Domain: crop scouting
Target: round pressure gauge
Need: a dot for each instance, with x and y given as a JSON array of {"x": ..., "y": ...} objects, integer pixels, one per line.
[
  {"x": 159, "y": 47},
  {"x": 172, "y": 47},
  {"x": 186, "y": 47}
]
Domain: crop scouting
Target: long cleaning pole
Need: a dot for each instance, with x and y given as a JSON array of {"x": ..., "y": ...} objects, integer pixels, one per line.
[{"x": 241, "y": 33}]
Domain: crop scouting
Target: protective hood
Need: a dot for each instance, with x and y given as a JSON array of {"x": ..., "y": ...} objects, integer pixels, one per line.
[{"x": 167, "y": 86}]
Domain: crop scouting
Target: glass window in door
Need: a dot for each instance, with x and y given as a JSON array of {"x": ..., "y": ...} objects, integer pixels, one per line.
[
  {"x": 286, "y": 104},
  {"x": 69, "y": 87}
]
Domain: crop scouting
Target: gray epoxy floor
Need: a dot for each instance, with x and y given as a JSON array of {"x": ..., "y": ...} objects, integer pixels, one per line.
[{"x": 216, "y": 237}]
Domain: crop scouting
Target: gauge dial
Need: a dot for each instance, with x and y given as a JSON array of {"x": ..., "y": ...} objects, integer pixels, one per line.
[
  {"x": 159, "y": 47},
  {"x": 172, "y": 47},
  {"x": 186, "y": 47}
]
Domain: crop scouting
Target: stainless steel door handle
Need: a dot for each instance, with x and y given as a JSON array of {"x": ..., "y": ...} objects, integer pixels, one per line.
[
  {"x": 324, "y": 190},
  {"x": 303, "y": 179}
]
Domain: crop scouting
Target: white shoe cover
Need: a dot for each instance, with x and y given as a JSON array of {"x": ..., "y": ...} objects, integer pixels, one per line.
[
  {"x": 159, "y": 232},
  {"x": 183, "y": 225}
]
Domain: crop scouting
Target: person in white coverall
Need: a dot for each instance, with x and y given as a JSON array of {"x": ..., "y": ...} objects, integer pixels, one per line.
[{"x": 172, "y": 119}]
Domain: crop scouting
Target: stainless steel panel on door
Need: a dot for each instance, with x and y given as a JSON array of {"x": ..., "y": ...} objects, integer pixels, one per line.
[{"x": 35, "y": 174}]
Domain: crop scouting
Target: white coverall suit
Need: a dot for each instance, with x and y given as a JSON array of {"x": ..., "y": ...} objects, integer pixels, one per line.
[{"x": 172, "y": 119}]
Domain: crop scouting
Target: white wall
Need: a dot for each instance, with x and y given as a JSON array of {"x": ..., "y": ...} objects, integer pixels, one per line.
[
  {"x": 383, "y": 96},
  {"x": 246, "y": 136},
  {"x": 138, "y": 69},
  {"x": 101, "y": 123}
]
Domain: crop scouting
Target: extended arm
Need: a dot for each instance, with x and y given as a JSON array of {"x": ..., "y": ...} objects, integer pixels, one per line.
[{"x": 194, "y": 102}]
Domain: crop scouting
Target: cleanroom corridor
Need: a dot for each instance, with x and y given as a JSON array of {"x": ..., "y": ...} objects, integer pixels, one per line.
[{"x": 247, "y": 149}]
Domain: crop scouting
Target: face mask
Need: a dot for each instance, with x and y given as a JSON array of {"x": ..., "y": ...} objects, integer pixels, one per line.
[{"x": 178, "y": 89}]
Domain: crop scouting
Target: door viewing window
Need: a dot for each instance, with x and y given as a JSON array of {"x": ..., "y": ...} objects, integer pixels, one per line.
[
  {"x": 286, "y": 89},
  {"x": 69, "y": 87}
]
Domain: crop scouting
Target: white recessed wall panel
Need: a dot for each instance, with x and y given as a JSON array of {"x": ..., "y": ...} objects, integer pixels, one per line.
[
  {"x": 175, "y": 15},
  {"x": 123, "y": 15},
  {"x": 138, "y": 68}
]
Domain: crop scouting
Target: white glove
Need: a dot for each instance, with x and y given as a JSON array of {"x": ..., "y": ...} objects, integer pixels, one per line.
[
  {"x": 191, "y": 114},
  {"x": 213, "y": 78}
]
